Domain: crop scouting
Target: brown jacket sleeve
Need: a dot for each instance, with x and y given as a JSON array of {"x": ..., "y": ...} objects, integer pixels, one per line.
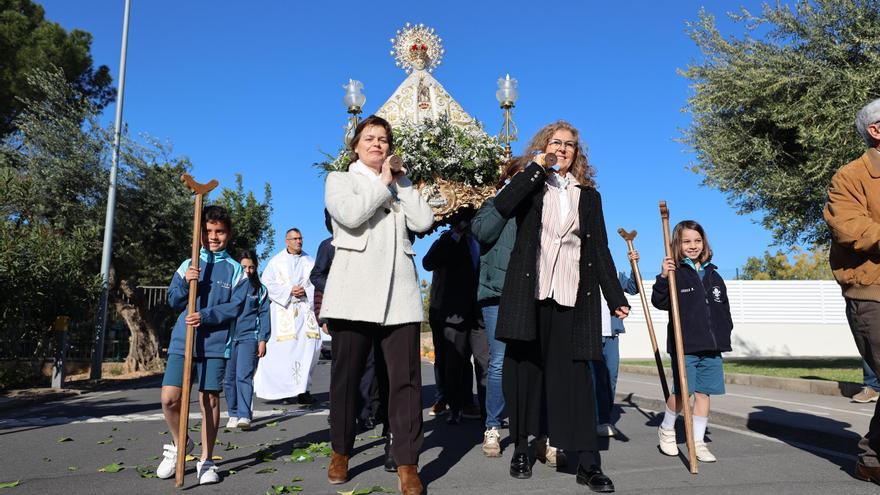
[{"x": 847, "y": 213}]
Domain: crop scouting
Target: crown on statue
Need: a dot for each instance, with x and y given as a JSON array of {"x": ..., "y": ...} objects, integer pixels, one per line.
[{"x": 416, "y": 47}]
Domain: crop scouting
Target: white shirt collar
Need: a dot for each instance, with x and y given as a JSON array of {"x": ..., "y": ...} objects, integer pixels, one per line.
[{"x": 360, "y": 167}]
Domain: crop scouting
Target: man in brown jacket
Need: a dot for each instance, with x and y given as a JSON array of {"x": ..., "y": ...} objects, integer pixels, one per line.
[{"x": 853, "y": 215}]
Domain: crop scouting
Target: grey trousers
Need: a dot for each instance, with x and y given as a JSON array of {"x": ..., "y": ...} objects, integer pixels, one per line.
[{"x": 864, "y": 323}]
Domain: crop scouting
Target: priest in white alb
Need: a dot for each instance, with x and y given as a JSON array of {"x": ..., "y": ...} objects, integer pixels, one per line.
[{"x": 295, "y": 344}]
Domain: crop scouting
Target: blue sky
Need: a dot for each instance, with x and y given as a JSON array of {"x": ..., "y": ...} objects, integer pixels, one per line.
[{"x": 255, "y": 88}]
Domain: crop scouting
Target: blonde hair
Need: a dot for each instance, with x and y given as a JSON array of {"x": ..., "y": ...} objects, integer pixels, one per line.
[{"x": 580, "y": 167}]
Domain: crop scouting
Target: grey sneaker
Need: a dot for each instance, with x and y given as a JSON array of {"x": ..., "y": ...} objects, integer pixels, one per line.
[
  {"x": 491, "y": 445},
  {"x": 867, "y": 394}
]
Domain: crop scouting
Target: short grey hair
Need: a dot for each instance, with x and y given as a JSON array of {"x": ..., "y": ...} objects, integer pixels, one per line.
[{"x": 869, "y": 114}]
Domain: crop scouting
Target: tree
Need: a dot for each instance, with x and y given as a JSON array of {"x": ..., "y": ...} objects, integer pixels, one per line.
[
  {"x": 28, "y": 41},
  {"x": 251, "y": 219},
  {"x": 54, "y": 169},
  {"x": 773, "y": 110},
  {"x": 808, "y": 265}
]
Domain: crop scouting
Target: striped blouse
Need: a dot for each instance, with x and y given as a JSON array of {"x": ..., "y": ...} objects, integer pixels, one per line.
[{"x": 560, "y": 251}]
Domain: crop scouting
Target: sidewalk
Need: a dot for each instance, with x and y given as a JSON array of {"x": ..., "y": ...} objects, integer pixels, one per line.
[{"x": 824, "y": 421}]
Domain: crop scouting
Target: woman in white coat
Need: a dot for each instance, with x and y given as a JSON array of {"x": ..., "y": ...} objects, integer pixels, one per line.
[{"x": 372, "y": 296}]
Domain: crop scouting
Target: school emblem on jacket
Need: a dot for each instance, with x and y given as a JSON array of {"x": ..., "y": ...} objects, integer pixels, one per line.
[{"x": 716, "y": 293}]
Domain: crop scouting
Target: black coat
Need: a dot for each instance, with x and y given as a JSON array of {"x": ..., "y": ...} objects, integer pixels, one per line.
[
  {"x": 705, "y": 310},
  {"x": 454, "y": 284},
  {"x": 523, "y": 198}
]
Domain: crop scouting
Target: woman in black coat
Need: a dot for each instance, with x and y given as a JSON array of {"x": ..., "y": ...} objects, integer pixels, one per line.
[{"x": 550, "y": 306}]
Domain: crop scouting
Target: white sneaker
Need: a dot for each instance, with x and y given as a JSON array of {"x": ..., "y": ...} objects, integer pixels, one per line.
[
  {"x": 607, "y": 430},
  {"x": 703, "y": 454},
  {"x": 668, "y": 445},
  {"x": 491, "y": 446},
  {"x": 233, "y": 422},
  {"x": 244, "y": 423},
  {"x": 207, "y": 472},
  {"x": 168, "y": 466}
]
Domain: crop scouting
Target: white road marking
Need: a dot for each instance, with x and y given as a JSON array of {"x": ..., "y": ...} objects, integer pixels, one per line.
[
  {"x": 128, "y": 418},
  {"x": 809, "y": 411}
]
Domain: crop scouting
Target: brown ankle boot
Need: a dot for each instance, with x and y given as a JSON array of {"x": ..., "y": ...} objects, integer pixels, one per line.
[
  {"x": 337, "y": 471},
  {"x": 410, "y": 483}
]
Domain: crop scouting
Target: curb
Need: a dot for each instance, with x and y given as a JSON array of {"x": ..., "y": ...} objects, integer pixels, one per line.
[{"x": 820, "y": 387}]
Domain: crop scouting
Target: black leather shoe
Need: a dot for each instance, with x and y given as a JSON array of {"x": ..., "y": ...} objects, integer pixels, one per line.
[
  {"x": 520, "y": 467},
  {"x": 390, "y": 465},
  {"x": 594, "y": 479},
  {"x": 454, "y": 418}
]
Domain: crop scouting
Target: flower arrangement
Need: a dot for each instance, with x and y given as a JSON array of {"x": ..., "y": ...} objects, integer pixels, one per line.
[{"x": 439, "y": 149}]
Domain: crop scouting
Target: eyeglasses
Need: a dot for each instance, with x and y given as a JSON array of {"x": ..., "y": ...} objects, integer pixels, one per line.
[{"x": 556, "y": 143}]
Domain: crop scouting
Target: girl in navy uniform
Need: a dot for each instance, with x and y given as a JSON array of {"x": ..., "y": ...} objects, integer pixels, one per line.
[
  {"x": 705, "y": 328},
  {"x": 246, "y": 345}
]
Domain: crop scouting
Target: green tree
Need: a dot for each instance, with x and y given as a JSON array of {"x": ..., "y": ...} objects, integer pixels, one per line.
[
  {"x": 804, "y": 265},
  {"x": 28, "y": 41},
  {"x": 251, "y": 219},
  {"x": 53, "y": 204},
  {"x": 773, "y": 109}
]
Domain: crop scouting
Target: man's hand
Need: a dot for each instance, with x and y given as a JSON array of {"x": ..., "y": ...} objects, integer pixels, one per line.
[
  {"x": 298, "y": 291},
  {"x": 261, "y": 349},
  {"x": 193, "y": 320},
  {"x": 192, "y": 273},
  {"x": 621, "y": 312}
]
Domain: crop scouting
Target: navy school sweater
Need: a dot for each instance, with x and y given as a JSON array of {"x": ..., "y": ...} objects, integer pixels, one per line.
[{"x": 254, "y": 322}]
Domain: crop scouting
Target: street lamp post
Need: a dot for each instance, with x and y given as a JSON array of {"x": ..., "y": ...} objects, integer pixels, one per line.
[
  {"x": 353, "y": 100},
  {"x": 506, "y": 96},
  {"x": 101, "y": 320}
]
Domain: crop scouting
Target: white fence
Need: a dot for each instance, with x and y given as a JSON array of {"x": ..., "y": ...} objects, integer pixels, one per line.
[{"x": 772, "y": 318}]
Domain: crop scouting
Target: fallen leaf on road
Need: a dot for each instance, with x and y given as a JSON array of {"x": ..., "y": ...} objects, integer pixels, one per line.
[
  {"x": 10, "y": 484},
  {"x": 298, "y": 478},
  {"x": 146, "y": 471},
  {"x": 65, "y": 439},
  {"x": 216, "y": 458},
  {"x": 154, "y": 458},
  {"x": 72, "y": 468},
  {"x": 189, "y": 458},
  {"x": 272, "y": 424},
  {"x": 105, "y": 441},
  {"x": 117, "y": 449},
  {"x": 112, "y": 468},
  {"x": 46, "y": 459},
  {"x": 267, "y": 470}
]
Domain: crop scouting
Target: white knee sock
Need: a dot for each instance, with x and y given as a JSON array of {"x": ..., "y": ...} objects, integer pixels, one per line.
[
  {"x": 668, "y": 419},
  {"x": 700, "y": 423}
]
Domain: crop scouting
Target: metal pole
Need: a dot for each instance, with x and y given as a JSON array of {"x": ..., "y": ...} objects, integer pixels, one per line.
[{"x": 101, "y": 320}]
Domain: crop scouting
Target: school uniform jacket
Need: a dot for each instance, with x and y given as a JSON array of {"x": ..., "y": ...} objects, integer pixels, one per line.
[
  {"x": 523, "y": 199},
  {"x": 706, "y": 323},
  {"x": 222, "y": 289},
  {"x": 254, "y": 322}
]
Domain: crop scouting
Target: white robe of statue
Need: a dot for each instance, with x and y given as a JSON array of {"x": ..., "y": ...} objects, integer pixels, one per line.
[{"x": 295, "y": 343}]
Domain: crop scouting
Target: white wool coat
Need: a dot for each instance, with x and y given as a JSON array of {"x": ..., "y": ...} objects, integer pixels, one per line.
[{"x": 373, "y": 277}]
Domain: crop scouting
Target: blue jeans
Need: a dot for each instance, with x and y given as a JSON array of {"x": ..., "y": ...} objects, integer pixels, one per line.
[
  {"x": 494, "y": 394},
  {"x": 605, "y": 378},
  {"x": 239, "y": 381},
  {"x": 870, "y": 379}
]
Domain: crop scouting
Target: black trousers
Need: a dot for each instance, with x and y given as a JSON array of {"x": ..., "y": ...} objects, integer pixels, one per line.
[
  {"x": 546, "y": 367},
  {"x": 461, "y": 339},
  {"x": 399, "y": 344},
  {"x": 437, "y": 322},
  {"x": 864, "y": 323}
]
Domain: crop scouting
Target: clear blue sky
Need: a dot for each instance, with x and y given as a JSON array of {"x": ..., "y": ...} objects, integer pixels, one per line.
[{"x": 255, "y": 88}]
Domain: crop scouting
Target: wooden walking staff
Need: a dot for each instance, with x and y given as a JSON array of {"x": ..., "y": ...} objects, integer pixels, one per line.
[
  {"x": 675, "y": 314},
  {"x": 200, "y": 191},
  {"x": 628, "y": 237}
]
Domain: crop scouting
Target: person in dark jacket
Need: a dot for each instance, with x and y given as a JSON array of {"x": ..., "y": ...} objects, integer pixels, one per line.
[
  {"x": 454, "y": 316},
  {"x": 550, "y": 312},
  {"x": 496, "y": 236},
  {"x": 706, "y": 325}
]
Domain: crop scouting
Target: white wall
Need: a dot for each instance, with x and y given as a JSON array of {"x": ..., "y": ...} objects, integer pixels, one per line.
[{"x": 770, "y": 319}]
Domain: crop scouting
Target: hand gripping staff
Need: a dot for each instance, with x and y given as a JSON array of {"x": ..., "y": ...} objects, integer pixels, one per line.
[
  {"x": 675, "y": 314},
  {"x": 200, "y": 190},
  {"x": 629, "y": 237}
]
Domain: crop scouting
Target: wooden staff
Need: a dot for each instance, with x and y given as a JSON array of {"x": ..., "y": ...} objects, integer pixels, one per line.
[
  {"x": 200, "y": 191},
  {"x": 628, "y": 237},
  {"x": 675, "y": 314}
]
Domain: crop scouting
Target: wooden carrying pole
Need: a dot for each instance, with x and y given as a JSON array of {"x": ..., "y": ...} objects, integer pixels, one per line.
[
  {"x": 200, "y": 191},
  {"x": 629, "y": 237},
  {"x": 675, "y": 314}
]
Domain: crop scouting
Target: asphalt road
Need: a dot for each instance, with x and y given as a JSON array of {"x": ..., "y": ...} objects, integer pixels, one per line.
[{"x": 125, "y": 426}]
